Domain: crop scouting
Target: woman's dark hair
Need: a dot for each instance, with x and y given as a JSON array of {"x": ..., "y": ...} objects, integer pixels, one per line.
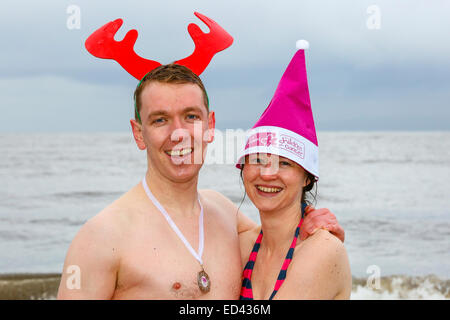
[
  {"x": 311, "y": 179},
  {"x": 311, "y": 182}
]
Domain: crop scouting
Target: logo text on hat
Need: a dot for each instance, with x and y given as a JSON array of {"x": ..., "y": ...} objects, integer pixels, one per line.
[{"x": 292, "y": 145}]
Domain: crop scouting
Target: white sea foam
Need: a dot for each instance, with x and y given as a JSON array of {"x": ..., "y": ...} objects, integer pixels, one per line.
[{"x": 401, "y": 287}]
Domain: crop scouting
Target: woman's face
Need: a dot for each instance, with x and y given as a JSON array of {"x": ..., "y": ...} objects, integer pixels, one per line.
[{"x": 273, "y": 182}]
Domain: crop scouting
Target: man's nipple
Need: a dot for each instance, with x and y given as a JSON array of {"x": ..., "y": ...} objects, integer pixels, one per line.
[{"x": 176, "y": 286}]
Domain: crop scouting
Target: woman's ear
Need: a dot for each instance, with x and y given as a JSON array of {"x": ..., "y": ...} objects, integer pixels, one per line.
[{"x": 306, "y": 179}]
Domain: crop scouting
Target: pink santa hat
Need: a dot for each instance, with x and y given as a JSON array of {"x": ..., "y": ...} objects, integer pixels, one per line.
[{"x": 286, "y": 128}]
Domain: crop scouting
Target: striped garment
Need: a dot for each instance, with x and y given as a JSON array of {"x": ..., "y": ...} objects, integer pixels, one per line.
[{"x": 246, "y": 291}]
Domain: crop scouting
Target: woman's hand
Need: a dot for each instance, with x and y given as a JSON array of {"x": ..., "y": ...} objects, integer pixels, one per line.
[{"x": 316, "y": 219}]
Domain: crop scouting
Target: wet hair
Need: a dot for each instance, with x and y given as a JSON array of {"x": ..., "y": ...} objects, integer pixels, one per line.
[
  {"x": 308, "y": 196},
  {"x": 172, "y": 74}
]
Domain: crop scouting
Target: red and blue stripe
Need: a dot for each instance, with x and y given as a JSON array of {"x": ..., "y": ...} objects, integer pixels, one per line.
[{"x": 246, "y": 291}]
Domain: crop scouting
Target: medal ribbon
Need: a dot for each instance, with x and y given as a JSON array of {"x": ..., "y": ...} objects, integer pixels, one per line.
[{"x": 174, "y": 227}]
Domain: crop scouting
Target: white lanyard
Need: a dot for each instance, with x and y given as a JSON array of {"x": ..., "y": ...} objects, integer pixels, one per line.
[{"x": 172, "y": 224}]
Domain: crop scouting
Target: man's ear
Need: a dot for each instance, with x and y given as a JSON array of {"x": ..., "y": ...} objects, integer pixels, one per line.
[
  {"x": 211, "y": 126},
  {"x": 137, "y": 133}
]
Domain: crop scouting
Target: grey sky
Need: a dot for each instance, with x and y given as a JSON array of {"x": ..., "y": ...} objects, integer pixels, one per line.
[{"x": 393, "y": 78}]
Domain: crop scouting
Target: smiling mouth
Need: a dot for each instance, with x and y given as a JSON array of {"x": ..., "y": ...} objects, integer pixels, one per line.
[
  {"x": 179, "y": 152},
  {"x": 269, "y": 189}
]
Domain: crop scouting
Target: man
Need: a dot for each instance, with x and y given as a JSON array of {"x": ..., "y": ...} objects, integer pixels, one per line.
[{"x": 131, "y": 249}]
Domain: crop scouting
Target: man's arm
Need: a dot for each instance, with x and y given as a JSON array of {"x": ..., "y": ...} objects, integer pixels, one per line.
[
  {"x": 244, "y": 223},
  {"x": 91, "y": 265},
  {"x": 316, "y": 219}
]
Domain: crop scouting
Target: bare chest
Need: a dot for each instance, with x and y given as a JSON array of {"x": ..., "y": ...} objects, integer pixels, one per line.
[{"x": 157, "y": 265}]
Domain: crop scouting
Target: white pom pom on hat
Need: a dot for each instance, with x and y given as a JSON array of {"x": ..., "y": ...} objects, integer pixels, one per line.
[{"x": 302, "y": 45}]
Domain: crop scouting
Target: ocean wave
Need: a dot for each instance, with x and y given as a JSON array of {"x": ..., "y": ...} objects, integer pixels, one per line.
[
  {"x": 395, "y": 287},
  {"x": 54, "y": 221},
  {"x": 402, "y": 287},
  {"x": 29, "y": 286},
  {"x": 85, "y": 194}
]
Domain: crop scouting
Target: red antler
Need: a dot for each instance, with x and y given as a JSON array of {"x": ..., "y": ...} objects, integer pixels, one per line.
[
  {"x": 101, "y": 44},
  {"x": 206, "y": 44}
]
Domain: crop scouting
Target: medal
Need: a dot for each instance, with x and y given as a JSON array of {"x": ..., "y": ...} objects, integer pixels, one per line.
[{"x": 203, "y": 282}]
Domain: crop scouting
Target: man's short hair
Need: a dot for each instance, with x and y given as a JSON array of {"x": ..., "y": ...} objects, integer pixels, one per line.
[{"x": 169, "y": 73}]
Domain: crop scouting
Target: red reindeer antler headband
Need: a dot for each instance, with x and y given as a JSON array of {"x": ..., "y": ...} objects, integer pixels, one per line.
[{"x": 101, "y": 44}]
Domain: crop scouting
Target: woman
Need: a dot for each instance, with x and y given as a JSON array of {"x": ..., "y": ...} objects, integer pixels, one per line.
[{"x": 279, "y": 165}]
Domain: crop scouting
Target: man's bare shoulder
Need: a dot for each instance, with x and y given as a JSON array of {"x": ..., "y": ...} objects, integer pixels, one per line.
[
  {"x": 112, "y": 223},
  {"x": 215, "y": 196},
  {"x": 219, "y": 201},
  {"x": 95, "y": 251},
  {"x": 229, "y": 209},
  {"x": 116, "y": 214}
]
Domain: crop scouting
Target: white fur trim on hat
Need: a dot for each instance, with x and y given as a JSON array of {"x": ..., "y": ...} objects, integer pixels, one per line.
[
  {"x": 285, "y": 143},
  {"x": 302, "y": 45}
]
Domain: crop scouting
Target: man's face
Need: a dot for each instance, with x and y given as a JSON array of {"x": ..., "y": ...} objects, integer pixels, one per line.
[{"x": 174, "y": 129}]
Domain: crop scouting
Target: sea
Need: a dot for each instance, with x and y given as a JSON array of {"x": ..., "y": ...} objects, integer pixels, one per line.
[{"x": 390, "y": 191}]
